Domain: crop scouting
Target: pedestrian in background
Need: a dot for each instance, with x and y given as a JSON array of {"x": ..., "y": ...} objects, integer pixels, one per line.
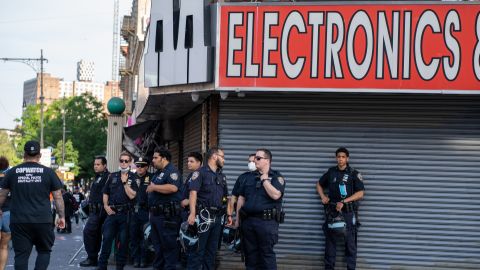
[
  {"x": 5, "y": 234},
  {"x": 92, "y": 233},
  {"x": 30, "y": 184}
]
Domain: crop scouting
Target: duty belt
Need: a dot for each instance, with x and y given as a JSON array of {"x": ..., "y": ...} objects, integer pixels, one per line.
[
  {"x": 349, "y": 207},
  {"x": 95, "y": 208},
  {"x": 120, "y": 208},
  {"x": 217, "y": 211},
  {"x": 168, "y": 209},
  {"x": 269, "y": 214}
]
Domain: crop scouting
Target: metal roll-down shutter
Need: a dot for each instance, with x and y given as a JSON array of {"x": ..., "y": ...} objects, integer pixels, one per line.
[{"x": 419, "y": 156}]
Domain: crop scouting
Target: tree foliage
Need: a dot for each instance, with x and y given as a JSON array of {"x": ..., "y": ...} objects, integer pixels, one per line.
[
  {"x": 7, "y": 149},
  {"x": 85, "y": 128},
  {"x": 71, "y": 155}
]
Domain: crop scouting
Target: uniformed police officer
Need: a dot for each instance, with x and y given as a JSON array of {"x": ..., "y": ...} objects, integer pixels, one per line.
[
  {"x": 118, "y": 198},
  {"x": 194, "y": 162},
  {"x": 345, "y": 187},
  {"x": 208, "y": 198},
  {"x": 164, "y": 196},
  {"x": 92, "y": 233},
  {"x": 139, "y": 216},
  {"x": 238, "y": 184},
  {"x": 260, "y": 201}
]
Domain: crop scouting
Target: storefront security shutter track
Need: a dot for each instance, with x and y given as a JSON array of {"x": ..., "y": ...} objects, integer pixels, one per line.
[
  {"x": 192, "y": 137},
  {"x": 419, "y": 156}
]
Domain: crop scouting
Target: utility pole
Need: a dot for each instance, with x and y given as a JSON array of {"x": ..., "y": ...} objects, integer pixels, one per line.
[
  {"x": 32, "y": 63},
  {"x": 64, "y": 131}
]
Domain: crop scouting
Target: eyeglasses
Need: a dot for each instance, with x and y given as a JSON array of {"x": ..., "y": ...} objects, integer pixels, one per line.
[
  {"x": 124, "y": 161},
  {"x": 222, "y": 156},
  {"x": 260, "y": 158}
]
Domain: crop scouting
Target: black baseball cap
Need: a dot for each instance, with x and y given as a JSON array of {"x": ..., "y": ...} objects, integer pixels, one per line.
[
  {"x": 32, "y": 148},
  {"x": 142, "y": 161}
]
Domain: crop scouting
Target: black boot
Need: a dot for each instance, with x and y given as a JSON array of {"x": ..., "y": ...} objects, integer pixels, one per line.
[{"x": 88, "y": 262}]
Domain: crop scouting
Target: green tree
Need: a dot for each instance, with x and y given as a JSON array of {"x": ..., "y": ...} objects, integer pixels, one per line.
[
  {"x": 71, "y": 155},
  {"x": 7, "y": 149},
  {"x": 28, "y": 126},
  {"x": 85, "y": 125}
]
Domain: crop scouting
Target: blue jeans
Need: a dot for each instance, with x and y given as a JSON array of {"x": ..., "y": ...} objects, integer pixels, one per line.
[
  {"x": 115, "y": 225},
  {"x": 204, "y": 256}
]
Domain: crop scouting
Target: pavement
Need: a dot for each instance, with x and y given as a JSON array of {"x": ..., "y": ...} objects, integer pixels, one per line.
[{"x": 64, "y": 250}]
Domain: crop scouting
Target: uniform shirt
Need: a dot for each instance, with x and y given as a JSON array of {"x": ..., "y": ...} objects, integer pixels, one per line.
[
  {"x": 211, "y": 187},
  {"x": 6, "y": 203},
  {"x": 115, "y": 190},
  {"x": 142, "y": 183},
  {"x": 169, "y": 175},
  {"x": 96, "y": 189},
  {"x": 239, "y": 184},
  {"x": 185, "y": 190},
  {"x": 331, "y": 179},
  {"x": 256, "y": 197},
  {"x": 30, "y": 184}
]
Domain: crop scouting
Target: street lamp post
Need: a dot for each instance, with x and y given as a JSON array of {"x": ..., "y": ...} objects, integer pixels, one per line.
[{"x": 31, "y": 62}]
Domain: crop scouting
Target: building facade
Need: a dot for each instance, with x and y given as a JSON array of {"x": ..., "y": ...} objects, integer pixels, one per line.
[
  {"x": 394, "y": 83},
  {"x": 85, "y": 71}
]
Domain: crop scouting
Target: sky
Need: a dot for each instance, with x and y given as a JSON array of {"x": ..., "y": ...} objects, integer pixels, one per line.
[{"x": 66, "y": 30}]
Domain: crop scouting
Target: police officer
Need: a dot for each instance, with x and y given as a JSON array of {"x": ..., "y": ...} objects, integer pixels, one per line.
[
  {"x": 208, "y": 198},
  {"x": 118, "y": 198},
  {"x": 164, "y": 196},
  {"x": 260, "y": 202},
  {"x": 30, "y": 184},
  {"x": 239, "y": 183},
  {"x": 92, "y": 233},
  {"x": 139, "y": 217},
  {"x": 345, "y": 188},
  {"x": 194, "y": 162}
]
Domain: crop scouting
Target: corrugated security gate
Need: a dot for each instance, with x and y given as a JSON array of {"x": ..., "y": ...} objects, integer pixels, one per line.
[
  {"x": 192, "y": 137},
  {"x": 419, "y": 156}
]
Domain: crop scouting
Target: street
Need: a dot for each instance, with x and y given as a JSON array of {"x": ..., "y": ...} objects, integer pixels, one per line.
[{"x": 65, "y": 247}]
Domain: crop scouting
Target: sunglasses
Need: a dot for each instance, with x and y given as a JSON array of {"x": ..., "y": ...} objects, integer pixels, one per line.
[
  {"x": 142, "y": 165},
  {"x": 124, "y": 161},
  {"x": 260, "y": 158}
]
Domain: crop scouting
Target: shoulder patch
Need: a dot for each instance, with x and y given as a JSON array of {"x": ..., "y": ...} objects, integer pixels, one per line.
[
  {"x": 360, "y": 177},
  {"x": 161, "y": 175},
  {"x": 281, "y": 180},
  {"x": 195, "y": 175},
  {"x": 174, "y": 176}
]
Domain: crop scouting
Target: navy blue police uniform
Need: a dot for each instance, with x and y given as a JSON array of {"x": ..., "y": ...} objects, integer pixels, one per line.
[
  {"x": 116, "y": 225},
  {"x": 331, "y": 180},
  {"x": 186, "y": 195},
  {"x": 92, "y": 233},
  {"x": 212, "y": 191},
  {"x": 165, "y": 218},
  {"x": 239, "y": 184},
  {"x": 139, "y": 217},
  {"x": 260, "y": 220}
]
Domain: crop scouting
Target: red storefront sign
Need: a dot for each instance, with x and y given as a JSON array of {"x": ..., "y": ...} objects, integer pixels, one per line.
[{"x": 355, "y": 47}]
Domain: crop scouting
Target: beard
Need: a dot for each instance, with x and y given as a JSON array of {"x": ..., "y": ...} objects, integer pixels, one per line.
[{"x": 219, "y": 164}]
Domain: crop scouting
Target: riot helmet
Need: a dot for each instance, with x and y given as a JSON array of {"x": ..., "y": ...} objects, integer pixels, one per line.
[{"x": 188, "y": 235}]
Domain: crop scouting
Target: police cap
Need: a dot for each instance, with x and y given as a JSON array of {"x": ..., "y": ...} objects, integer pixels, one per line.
[{"x": 142, "y": 161}]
